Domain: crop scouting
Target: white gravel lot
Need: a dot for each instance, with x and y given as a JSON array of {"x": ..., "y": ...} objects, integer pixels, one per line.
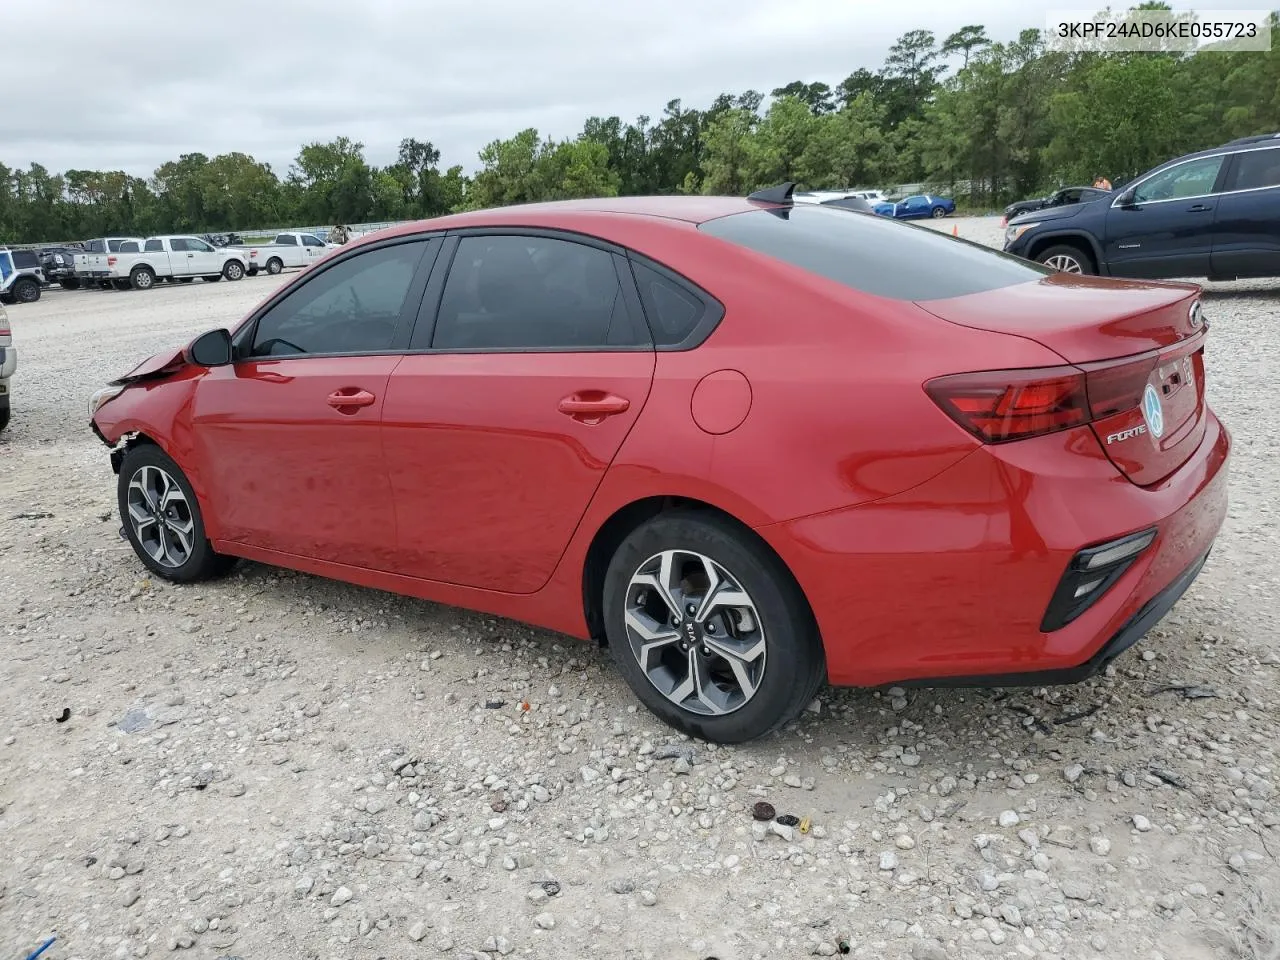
[{"x": 280, "y": 766}]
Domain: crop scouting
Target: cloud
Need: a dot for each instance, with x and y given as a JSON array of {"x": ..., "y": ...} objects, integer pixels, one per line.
[{"x": 147, "y": 80}]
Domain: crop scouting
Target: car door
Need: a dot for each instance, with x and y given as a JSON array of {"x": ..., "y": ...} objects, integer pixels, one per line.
[
  {"x": 313, "y": 249},
  {"x": 203, "y": 259},
  {"x": 501, "y": 422},
  {"x": 289, "y": 435},
  {"x": 1163, "y": 227},
  {"x": 913, "y": 207},
  {"x": 1246, "y": 239}
]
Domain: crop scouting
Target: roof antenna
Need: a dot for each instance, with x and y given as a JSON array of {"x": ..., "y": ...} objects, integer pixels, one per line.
[{"x": 779, "y": 194}]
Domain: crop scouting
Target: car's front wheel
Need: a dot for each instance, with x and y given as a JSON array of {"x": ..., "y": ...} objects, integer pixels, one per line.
[
  {"x": 1066, "y": 259},
  {"x": 709, "y": 629},
  {"x": 232, "y": 270},
  {"x": 162, "y": 519}
]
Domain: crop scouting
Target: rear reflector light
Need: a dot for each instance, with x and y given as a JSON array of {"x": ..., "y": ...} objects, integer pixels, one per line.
[
  {"x": 1002, "y": 405},
  {"x": 1091, "y": 573}
]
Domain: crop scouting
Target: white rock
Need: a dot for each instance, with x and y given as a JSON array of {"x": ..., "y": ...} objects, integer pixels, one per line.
[
  {"x": 1141, "y": 823},
  {"x": 888, "y": 860},
  {"x": 340, "y": 896},
  {"x": 1009, "y": 818},
  {"x": 1100, "y": 845},
  {"x": 545, "y": 921}
]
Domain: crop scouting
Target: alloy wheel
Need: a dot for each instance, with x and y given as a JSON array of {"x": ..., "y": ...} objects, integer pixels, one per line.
[
  {"x": 160, "y": 516},
  {"x": 695, "y": 632},
  {"x": 1064, "y": 263}
]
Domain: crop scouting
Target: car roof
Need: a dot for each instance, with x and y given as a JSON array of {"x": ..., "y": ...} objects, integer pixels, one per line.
[{"x": 567, "y": 213}]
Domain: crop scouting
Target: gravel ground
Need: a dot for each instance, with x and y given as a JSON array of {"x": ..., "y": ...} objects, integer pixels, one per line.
[{"x": 276, "y": 765}]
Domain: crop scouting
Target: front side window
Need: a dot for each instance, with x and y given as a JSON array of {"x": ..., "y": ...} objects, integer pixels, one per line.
[
  {"x": 352, "y": 307},
  {"x": 1256, "y": 169},
  {"x": 532, "y": 293},
  {"x": 199, "y": 246},
  {"x": 1195, "y": 178},
  {"x": 310, "y": 241}
]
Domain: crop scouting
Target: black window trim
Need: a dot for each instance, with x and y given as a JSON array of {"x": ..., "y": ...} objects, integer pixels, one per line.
[
  {"x": 713, "y": 309},
  {"x": 429, "y": 311},
  {"x": 242, "y": 340}
]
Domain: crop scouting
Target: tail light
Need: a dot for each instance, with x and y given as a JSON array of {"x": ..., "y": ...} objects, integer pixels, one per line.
[
  {"x": 5, "y": 329},
  {"x": 111, "y": 261},
  {"x": 1002, "y": 405},
  {"x": 252, "y": 254}
]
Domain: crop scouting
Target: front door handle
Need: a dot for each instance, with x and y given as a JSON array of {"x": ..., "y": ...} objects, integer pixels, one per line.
[
  {"x": 1198, "y": 208},
  {"x": 351, "y": 397},
  {"x": 592, "y": 407}
]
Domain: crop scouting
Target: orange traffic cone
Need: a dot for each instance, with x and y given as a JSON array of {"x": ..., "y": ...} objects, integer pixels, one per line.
[{"x": 955, "y": 231}]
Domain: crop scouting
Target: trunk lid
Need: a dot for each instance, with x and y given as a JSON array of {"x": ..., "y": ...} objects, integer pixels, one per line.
[{"x": 1139, "y": 344}]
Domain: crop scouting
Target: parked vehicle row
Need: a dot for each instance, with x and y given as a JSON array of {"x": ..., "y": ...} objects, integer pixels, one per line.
[
  {"x": 1214, "y": 214},
  {"x": 289, "y": 249}
]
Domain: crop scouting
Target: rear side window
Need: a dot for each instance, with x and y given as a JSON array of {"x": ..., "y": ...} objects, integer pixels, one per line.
[
  {"x": 113, "y": 246},
  {"x": 287, "y": 240},
  {"x": 874, "y": 254},
  {"x": 1256, "y": 169},
  {"x": 95, "y": 246},
  {"x": 178, "y": 245},
  {"x": 129, "y": 246},
  {"x": 675, "y": 312},
  {"x": 155, "y": 246},
  {"x": 532, "y": 293},
  {"x": 25, "y": 259}
]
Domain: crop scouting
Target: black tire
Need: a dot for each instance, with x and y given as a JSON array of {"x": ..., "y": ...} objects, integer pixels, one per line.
[
  {"x": 212, "y": 278},
  {"x": 25, "y": 290},
  {"x": 1064, "y": 253},
  {"x": 71, "y": 283},
  {"x": 201, "y": 563},
  {"x": 142, "y": 278},
  {"x": 274, "y": 266},
  {"x": 794, "y": 664},
  {"x": 233, "y": 270},
  {"x": 937, "y": 213},
  {"x": 252, "y": 271},
  {"x": 4, "y": 413},
  {"x": 121, "y": 283}
]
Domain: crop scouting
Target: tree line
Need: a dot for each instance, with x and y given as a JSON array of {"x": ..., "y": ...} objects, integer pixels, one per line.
[{"x": 988, "y": 121}]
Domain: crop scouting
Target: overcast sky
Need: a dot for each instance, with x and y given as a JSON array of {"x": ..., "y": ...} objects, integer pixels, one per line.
[{"x": 129, "y": 84}]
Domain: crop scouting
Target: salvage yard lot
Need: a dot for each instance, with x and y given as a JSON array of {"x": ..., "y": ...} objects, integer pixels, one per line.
[{"x": 231, "y": 777}]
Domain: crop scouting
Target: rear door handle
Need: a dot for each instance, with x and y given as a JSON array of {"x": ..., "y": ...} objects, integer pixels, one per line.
[
  {"x": 351, "y": 397},
  {"x": 593, "y": 407}
]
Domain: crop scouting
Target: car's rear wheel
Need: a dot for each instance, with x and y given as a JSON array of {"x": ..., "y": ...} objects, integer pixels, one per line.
[
  {"x": 233, "y": 270},
  {"x": 274, "y": 266},
  {"x": 142, "y": 278},
  {"x": 709, "y": 629},
  {"x": 937, "y": 213},
  {"x": 25, "y": 290},
  {"x": 1066, "y": 259},
  {"x": 162, "y": 519}
]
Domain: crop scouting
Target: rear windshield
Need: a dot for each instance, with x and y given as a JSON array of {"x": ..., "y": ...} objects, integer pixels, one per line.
[{"x": 874, "y": 254}]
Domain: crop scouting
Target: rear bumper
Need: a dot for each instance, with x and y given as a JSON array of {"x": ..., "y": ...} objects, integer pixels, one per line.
[
  {"x": 8, "y": 362},
  {"x": 950, "y": 582}
]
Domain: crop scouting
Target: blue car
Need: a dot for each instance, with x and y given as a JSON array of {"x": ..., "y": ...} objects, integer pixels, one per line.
[{"x": 917, "y": 207}]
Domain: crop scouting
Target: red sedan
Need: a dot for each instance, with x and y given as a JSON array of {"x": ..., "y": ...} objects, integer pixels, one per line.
[{"x": 750, "y": 445}]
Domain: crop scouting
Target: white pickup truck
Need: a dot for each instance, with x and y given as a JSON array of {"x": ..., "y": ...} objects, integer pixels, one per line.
[
  {"x": 181, "y": 258},
  {"x": 91, "y": 266},
  {"x": 291, "y": 249}
]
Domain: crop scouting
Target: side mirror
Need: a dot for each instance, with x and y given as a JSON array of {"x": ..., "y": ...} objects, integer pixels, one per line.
[
  {"x": 212, "y": 349},
  {"x": 1126, "y": 198}
]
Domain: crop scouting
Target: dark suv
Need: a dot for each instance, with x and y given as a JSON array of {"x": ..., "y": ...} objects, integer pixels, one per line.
[{"x": 1212, "y": 214}]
